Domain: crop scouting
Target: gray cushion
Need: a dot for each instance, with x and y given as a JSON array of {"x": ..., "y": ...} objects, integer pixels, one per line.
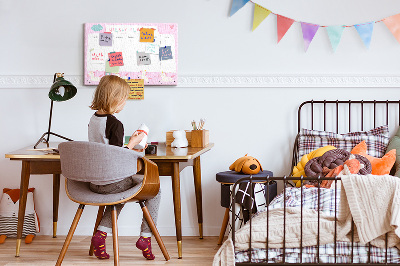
[
  {"x": 80, "y": 192},
  {"x": 394, "y": 143},
  {"x": 96, "y": 162}
]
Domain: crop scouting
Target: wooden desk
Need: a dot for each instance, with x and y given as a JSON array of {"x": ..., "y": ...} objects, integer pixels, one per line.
[{"x": 170, "y": 162}]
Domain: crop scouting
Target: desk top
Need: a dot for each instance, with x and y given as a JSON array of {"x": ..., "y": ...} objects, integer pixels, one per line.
[{"x": 163, "y": 153}]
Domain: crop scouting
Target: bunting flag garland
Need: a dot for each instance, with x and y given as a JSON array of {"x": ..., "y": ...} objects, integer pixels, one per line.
[
  {"x": 260, "y": 13},
  {"x": 236, "y": 5},
  {"x": 335, "y": 34},
  {"x": 309, "y": 30},
  {"x": 393, "y": 24},
  {"x": 365, "y": 32},
  {"x": 283, "y": 25}
]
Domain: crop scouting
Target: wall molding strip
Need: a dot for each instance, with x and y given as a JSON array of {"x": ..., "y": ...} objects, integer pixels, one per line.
[{"x": 217, "y": 81}]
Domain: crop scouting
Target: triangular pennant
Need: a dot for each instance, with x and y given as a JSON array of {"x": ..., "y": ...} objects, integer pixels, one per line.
[
  {"x": 393, "y": 23},
  {"x": 236, "y": 5},
  {"x": 335, "y": 35},
  {"x": 283, "y": 24},
  {"x": 309, "y": 31},
  {"x": 260, "y": 13},
  {"x": 365, "y": 32}
]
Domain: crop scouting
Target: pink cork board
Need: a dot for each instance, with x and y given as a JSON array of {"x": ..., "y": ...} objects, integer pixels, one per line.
[{"x": 147, "y": 51}]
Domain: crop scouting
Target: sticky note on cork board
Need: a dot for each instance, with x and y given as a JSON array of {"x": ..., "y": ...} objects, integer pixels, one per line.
[{"x": 137, "y": 89}]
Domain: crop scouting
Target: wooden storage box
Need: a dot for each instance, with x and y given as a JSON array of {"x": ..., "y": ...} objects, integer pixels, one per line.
[
  {"x": 170, "y": 138},
  {"x": 200, "y": 138}
]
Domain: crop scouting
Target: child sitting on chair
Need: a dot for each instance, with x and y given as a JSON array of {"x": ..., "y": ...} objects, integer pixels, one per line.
[{"x": 110, "y": 98}]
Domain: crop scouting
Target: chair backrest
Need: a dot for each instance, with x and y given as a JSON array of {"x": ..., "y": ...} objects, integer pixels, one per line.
[{"x": 93, "y": 162}]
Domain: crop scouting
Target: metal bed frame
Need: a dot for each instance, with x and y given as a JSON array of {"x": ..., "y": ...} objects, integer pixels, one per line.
[{"x": 338, "y": 106}]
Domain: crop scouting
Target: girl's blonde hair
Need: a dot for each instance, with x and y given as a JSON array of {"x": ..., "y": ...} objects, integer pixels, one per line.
[{"x": 109, "y": 93}]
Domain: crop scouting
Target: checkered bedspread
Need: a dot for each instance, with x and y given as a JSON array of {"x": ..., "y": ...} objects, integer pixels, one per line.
[{"x": 326, "y": 252}]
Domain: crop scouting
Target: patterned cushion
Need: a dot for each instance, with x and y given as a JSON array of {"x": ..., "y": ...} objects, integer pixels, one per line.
[{"x": 377, "y": 139}]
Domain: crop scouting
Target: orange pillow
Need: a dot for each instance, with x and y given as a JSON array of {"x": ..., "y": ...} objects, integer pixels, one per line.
[{"x": 380, "y": 166}]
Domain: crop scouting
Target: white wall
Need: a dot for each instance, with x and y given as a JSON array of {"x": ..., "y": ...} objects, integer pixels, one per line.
[{"x": 40, "y": 38}]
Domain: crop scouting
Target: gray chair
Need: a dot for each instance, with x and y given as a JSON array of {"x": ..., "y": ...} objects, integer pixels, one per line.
[{"x": 83, "y": 162}]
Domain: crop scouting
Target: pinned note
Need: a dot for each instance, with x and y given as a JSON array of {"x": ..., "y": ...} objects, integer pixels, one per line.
[
  {"x": 146, "y": 35},
  {"x": 165, "y": 53},
  {"x": 105, "y": 39},
  {"x": 143, "y": 58},
  {"x": 137, "y": 89},
  {"x": 111, "y": 70},
  {"x": 116, "y": 59}
]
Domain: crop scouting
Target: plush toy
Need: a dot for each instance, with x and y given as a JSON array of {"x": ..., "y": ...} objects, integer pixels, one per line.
[
  {"x": 9, "y": 205},
  {"x": 246, "y": 165},
  {"x": 380, "y": 166},
  {"x": 298, "y": 170},
  {"x": 180, "y": 140}
]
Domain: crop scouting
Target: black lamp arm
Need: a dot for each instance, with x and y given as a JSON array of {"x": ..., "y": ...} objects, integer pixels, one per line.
[{"x": 44, "y": 139}]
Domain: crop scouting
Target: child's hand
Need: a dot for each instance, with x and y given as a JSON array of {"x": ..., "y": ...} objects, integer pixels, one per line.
[{"x": 135, "y": 139}]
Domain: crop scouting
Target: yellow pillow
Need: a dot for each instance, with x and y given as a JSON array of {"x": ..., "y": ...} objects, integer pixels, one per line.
[{"x": 298, "y": 170}]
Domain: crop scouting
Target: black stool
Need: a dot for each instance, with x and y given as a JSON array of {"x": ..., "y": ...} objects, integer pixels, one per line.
[{"x": 229, "y": 178}]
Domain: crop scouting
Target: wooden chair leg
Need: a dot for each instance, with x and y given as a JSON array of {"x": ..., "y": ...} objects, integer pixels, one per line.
[
  {"x": 70, "y": 234},
  {"x": 98, "y": 220},
  {"x": 115, "y": 234},
  {"x": 154, "y": 230},
  {"x": 223, "y": 227}
]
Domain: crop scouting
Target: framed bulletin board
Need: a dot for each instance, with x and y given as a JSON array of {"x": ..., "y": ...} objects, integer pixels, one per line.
[{"x": 147, "y": 51}]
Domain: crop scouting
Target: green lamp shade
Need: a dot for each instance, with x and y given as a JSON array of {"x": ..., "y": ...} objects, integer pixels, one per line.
[{"x": 62, "y": 90}]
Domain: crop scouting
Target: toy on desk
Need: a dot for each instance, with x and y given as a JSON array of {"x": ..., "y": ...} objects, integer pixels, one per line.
[
  {"x": 246, "y": 165},
  {"x": 9, "y": 205},
  {"x": 180, "y": 140},
  {"x": 143, "y": 128}
]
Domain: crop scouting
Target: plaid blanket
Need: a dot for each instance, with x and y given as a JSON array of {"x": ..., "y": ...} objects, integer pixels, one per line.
[{"x": 292, "y": 198}]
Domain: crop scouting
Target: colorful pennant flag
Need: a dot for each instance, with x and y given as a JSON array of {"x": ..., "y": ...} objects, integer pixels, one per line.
[
  {"x": 365, "y": 32},
  {"x": 260, "y": 13},
  {"x": 283, "y": 25},
  {"x": 309, "y": 31},
  {"x": 236, "y": 5},
  {"x": 393, "y": 23},
  {"x": 335, "y": 35}
]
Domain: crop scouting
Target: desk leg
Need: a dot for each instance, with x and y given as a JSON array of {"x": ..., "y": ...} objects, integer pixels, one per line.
[
  {"x": 176, "y": 190},
  {"x": 25, "y": 175},
  {"x": 197, "y": 187},
  {"x": 56, "y": 199}
]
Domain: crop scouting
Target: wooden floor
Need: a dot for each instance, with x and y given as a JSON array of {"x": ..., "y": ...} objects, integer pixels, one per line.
[{"x": 44, "y": 250}]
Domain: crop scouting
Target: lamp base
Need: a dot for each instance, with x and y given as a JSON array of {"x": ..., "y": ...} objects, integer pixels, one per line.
[{"x": 45, "y": 139}]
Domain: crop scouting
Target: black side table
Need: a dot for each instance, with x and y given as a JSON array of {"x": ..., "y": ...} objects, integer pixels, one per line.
[{"x": 229, "y": 178}]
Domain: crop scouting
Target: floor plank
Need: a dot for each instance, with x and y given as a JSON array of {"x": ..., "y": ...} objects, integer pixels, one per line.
[{"x": 44, "y": 250}]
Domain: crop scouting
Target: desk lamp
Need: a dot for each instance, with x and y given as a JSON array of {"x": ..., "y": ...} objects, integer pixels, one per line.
[{"x": 61, "y": 90}]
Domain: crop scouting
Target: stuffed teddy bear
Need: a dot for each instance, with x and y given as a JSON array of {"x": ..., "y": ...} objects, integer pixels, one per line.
[
  {"x": 180, "y": 140},
  {"x": 246, "y": 165},
  {"x": 9, "y": 205}
]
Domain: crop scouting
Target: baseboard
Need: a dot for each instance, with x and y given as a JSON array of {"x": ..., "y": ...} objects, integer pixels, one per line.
[{"x": 129, "y": 231}]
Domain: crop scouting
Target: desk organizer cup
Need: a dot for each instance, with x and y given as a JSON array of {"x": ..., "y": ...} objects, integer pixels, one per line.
[{"x": 199, "y": 138}]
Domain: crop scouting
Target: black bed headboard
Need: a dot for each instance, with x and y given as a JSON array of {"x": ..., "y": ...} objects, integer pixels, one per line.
[{"x": 346, "y": 116}]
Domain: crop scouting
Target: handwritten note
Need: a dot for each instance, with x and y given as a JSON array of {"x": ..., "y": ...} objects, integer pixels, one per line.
[
  {"x": 165, "y": 53},
  {"x": 137, "y": 89},
  {"x": 97, "y": 56},
  {"x": 146, "y": 35},
  {"x": 105, "y": 39},
  {"x": 116, "y": 59},
  {"x": 151, "y": 48},
  {"x": 143, "y": 58}
]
